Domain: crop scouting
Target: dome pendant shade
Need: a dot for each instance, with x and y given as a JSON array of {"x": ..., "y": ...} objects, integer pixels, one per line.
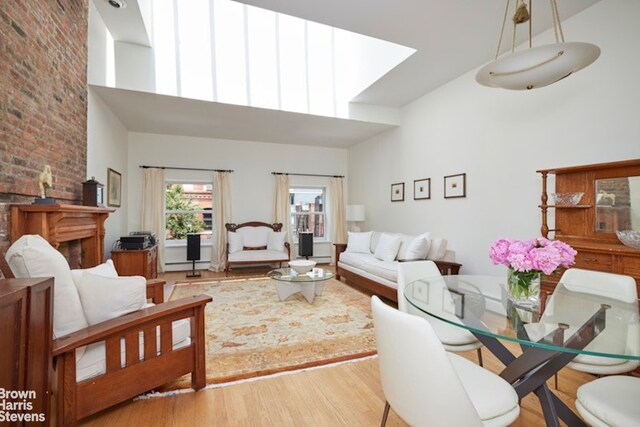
[{"x": 538, "y": 66}]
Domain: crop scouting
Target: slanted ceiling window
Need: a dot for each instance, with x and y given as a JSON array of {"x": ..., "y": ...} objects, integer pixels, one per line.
[{"x": 225, "y": 51}]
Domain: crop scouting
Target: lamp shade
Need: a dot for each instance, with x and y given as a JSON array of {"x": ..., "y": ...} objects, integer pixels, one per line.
[
  {"x": 355, "y": 213},
  {"x": 537, "y": 67}
]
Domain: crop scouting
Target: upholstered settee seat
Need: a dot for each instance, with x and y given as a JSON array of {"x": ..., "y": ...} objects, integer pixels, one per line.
[{"x": 259, "y": 255}]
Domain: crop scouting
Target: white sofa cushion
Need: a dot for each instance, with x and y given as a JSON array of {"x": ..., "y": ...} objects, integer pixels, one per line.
[
  {"x": 105, "y": 298},
  {"x": 254, "y": 237},
  {"x": 93, "y": 362},
  {"x": 359, "y": 242},
  {"x": 387, "y": 247},
  {"x": 384, "y": 269},
  {"x": 106, "y": 269},
  {"x": 235, "y": 242},
  {"x": 258, "y": 255},
  {"x": 32, "y": 256},
  {"x": 275, "y": 241},
  {"x": 356, "y": 259},
  {"x": 438, "y": 248},
  {"x": 418, "y": 248}
]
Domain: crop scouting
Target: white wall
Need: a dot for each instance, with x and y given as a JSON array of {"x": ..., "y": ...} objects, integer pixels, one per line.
[
  {"x": 107, "y": 148},
  {"x": 252, "y": 184},
  {"x": 500, "y": 138}
]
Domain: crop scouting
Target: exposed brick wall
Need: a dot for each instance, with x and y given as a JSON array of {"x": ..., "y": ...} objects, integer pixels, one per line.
[{"x": 43, "y": 100}]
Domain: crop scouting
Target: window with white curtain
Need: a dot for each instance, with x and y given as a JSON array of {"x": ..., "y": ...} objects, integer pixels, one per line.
[
  {"x": 188, "y": 209},
  {"x": 308, "y": 211}
]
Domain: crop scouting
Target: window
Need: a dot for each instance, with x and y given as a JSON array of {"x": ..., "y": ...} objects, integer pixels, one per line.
[
  {"x": 308, "y": 211},
  {"x": 187, "y": 210}
]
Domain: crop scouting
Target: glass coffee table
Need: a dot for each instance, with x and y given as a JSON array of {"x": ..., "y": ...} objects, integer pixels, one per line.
[{"x": 310, "y": 284}]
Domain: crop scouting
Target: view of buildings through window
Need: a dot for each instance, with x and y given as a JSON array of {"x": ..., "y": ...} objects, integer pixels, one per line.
[
  {"x": 187, "y": 210},
  {"x": 308, "y": 211}
]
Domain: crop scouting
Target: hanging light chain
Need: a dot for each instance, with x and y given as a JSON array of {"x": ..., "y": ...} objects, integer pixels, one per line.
[
  {"x": 557, "y": 26},
  {"x": 504, "y": 21}
]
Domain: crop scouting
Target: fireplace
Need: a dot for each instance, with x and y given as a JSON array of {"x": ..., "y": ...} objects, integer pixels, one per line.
[{"x": 76, "y": 231}]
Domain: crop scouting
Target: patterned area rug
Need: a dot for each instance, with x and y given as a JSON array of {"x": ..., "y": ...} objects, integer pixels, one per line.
[{"x": 251, "y": 333}]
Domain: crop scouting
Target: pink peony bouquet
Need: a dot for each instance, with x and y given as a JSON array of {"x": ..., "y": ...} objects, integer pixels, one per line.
[{"x": 536, "y": 255}]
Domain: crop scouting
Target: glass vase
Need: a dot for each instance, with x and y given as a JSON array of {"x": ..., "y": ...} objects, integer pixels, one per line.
[{"x": 524, "y": 288}]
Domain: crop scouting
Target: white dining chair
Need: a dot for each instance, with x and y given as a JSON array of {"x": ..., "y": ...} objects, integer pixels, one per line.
[
  {"x": 427, "y": 386},
  {"x": 608, "y": 285},
  {"x": 610, "y": 401},
  {"x": 452, "y": 338}
]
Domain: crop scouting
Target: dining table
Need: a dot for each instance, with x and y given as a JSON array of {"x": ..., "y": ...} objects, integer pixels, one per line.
[{"x": 571, "y": 323}]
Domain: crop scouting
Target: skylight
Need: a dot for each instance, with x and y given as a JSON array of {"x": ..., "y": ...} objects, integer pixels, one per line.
[{"x": 224, "y": 51}]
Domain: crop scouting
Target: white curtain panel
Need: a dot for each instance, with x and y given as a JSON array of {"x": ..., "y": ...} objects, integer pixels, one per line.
[
  {"x": 338, "y": 223},
  {"x": 281, "y": 206},
  {"x": 221, "y": 199},
  {"x": 153, "y": 191}
]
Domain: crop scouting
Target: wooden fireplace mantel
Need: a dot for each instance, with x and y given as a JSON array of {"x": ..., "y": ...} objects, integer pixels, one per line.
[{"x": 64, "y": 223}]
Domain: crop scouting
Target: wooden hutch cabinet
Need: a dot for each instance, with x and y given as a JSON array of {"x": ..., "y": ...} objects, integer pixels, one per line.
[{"x": 611, "y": 198}]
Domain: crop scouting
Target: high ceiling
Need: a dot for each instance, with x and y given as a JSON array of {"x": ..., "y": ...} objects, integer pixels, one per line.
[{"x": 452, "y": 37}]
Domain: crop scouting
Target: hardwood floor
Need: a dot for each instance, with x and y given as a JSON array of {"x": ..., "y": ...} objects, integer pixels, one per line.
[{"x": 344, "y": 395}]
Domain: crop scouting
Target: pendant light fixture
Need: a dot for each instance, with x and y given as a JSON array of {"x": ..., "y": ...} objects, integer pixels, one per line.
[{"x": 536, "y": 66}]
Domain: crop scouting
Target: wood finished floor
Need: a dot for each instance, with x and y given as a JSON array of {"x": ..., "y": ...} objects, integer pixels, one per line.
[{"x": 344, "y": 395}]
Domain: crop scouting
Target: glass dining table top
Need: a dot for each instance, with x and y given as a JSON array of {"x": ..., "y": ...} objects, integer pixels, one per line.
[{"x": 610, "y": 327}]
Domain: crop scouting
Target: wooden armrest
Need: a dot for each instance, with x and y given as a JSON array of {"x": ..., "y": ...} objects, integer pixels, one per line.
[
  {"x": 155, "y": 290},
  {"x": 448, "y": 267},
  {"x": 121, "y": 324},
  {"x": 339, "y": 248}
]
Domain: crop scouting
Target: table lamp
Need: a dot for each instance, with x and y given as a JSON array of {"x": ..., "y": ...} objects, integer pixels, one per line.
[{"x": 355, "y": 214}]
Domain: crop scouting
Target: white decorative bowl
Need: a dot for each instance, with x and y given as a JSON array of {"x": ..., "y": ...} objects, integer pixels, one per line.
[
  {"x": 302, "y": 266},
  {"x": 565, "y": 199},
  {"x": 629, "y": 238}
]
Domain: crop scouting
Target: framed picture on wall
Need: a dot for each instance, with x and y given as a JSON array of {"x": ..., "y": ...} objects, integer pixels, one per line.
[
  {"x": 422, "y": 189},
  {"x": 455, "y": 186},
  {"x": 397, "y": 192},
  {"x": 114, "y": 188}
]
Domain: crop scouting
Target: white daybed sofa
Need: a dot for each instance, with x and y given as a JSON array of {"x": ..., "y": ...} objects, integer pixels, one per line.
[
  {"x": 256, "y": 243},
  {"x": 370, "y": 260}
]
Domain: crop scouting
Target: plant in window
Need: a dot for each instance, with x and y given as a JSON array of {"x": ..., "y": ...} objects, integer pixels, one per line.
[{"x": 181, "y": 224}]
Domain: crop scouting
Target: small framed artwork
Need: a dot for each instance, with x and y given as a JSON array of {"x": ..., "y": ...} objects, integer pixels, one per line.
[
  {"x": 397, "y": 192},
  {"x": 114, "y": 188},
  {"x": 455, "y": 186},
  {"x": 422, "y": 189}
]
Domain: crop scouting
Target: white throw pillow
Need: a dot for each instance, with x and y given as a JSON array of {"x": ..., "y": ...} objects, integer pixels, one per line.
[
  {"x": 387, "y": 247},
  {"x": 276, "y": 241},
  {"x": 235, "y": 242},
  {"x": 438, "y": 248},
  {"x": 359, "y": 242},
  {"x": 419, "y": 247},
  {"x": 105, "y": 298},
  {"x": 32, "y": 256},
  {"x": 107, "y": 270}
]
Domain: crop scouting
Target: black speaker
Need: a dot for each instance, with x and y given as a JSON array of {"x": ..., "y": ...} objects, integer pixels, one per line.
[
  {"x": 305, "y": 244},
  {"x": 193, "y": 247}
]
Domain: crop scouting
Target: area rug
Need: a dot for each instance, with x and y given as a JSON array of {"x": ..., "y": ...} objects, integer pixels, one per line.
[{"x": 250, "y": 332}]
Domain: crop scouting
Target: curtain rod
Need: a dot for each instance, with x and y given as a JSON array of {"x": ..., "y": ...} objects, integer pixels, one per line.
[
  {"x": 186, "y": 169},
  {"x": 307, "y": 174}
]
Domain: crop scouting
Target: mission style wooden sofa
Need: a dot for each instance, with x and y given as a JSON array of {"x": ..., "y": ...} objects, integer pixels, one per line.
[
  {"x": 129, "y": 354},
  {"x": 254, "y": 243}
]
